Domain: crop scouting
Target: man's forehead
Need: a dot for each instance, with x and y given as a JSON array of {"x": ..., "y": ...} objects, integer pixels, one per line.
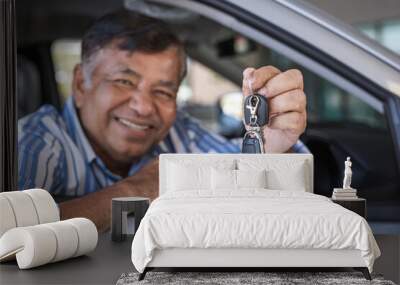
[
  {"x": 120, "y": 67},
  {"x": 113, "y": 61}
]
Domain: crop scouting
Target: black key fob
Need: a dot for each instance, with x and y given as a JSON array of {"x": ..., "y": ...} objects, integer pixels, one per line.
[
  {"x": 252, "y": 143},
  {"x": 256, "y": 105}
]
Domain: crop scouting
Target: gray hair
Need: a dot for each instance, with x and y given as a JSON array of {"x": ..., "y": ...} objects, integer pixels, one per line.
[{"x": 131, "y": 32}]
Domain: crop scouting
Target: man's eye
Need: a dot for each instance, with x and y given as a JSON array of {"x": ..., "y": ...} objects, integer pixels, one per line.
[
  {"x": 164, "y": 94},
  {"x": 124, "y": 82}
]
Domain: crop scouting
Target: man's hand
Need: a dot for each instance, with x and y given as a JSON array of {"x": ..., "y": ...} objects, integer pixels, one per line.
[
  {"x": 287, "y": 104},
  {"x": 97, "y": 205},
  {"x": 147, "y": 178}
]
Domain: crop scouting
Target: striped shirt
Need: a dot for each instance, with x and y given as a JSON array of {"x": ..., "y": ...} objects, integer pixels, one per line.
[{"x": 55, "y": 154}]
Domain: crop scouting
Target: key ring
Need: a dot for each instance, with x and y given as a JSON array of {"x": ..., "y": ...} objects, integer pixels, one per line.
[{"x": 253, "y": 109}]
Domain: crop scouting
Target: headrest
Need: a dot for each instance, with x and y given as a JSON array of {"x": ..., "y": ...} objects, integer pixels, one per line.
[{"x": 29, "y": 87}]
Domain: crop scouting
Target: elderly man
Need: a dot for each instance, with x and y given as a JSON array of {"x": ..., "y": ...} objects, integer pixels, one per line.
[{"x": 123, "y": 114}]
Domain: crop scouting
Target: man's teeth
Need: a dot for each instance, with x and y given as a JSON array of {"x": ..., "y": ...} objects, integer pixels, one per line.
[{"x": 132, "y": 125}]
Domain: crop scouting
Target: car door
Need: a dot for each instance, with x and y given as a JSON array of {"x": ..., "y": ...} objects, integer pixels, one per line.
[
  {"x": 8, "y": 121},
  {"x": 339, "y": 59}
]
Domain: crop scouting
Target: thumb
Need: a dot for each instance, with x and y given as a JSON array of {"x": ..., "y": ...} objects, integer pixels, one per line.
[{"x": 248, "y": 77}]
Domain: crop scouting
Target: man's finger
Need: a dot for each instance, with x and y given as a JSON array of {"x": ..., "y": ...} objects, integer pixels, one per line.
[
  {"x": 292, "y": 121},
  {"x": 292, "y": 101},
  {"x": 283, "y": 82},
  {"x": 257, "y": 78}
]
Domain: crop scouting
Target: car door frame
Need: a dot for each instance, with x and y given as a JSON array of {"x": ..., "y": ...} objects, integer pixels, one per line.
[
  {"x": 8, "y": 97},
  {"x": 226, "y": 12}
]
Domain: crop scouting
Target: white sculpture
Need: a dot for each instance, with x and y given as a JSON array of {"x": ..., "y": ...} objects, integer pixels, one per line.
[
  {"x": 31, "y": 231},
  {"x": 347, "y": 192},
  {"x": 347, "y": 174}
]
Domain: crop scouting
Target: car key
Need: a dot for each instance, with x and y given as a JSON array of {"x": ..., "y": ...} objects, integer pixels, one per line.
[
  {"x": 252, "y": 143},
  {"x": 255, "y": 117},
  {"x": 255, "y": 110}
]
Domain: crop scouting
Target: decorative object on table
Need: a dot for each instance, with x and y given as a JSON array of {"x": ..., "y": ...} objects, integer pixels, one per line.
[
  {"x": 33, "y": 246},
  {"x": 243, "y": 278},
  {"x": 31, "y": 231},
  {"x": 122, "y": 208},
  {"x": 347, "y": 192},
  {"x": 347, "y": 174},
  {"x": 26, "y": 208},
  {"x": 357, "y": 205}
]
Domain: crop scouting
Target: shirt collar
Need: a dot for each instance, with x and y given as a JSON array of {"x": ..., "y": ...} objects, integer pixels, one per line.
[{"x": 75, "y": 130}]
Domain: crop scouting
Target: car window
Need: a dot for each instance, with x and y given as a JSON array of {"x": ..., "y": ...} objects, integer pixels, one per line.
[
  {"x": 66, "y": 54},
  {"x": 340, "y": 123},
  {"x": 385, "y": 32},
  {"x": 204, "y": 93},
  {"x": 326, "y": 102}
]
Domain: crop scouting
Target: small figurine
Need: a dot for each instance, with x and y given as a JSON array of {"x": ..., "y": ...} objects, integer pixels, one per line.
[
  {"x": 347, "y": 192},
  {"x": 347, "y": 174}
]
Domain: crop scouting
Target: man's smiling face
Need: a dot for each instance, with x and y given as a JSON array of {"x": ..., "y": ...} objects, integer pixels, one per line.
[{"x": 129, "y": 104}]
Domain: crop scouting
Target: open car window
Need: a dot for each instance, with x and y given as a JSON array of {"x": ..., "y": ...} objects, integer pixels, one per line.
[
  {"x": 66, "y": 53},
  {"x": 344, "y": 118},
  {"x": 204, "y": 92}
]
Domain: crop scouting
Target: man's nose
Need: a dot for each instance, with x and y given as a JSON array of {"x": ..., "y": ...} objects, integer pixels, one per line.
[{"x": 142, "y": 103}]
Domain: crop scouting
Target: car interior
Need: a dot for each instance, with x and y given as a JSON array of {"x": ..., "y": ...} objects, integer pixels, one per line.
[{"x": 339, "y": 124}]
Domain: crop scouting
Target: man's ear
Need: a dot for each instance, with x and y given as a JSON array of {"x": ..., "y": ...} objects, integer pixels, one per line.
[{"x": 78, "y": 85}]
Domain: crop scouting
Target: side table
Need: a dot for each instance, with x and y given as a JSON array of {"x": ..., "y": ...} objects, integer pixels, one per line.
[
  {"x": 357, "y": 205},
  {"x": 120, "y": 209}
]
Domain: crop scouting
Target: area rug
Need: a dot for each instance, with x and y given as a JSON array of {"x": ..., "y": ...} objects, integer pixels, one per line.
[{"x": 231, "y": 278}]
